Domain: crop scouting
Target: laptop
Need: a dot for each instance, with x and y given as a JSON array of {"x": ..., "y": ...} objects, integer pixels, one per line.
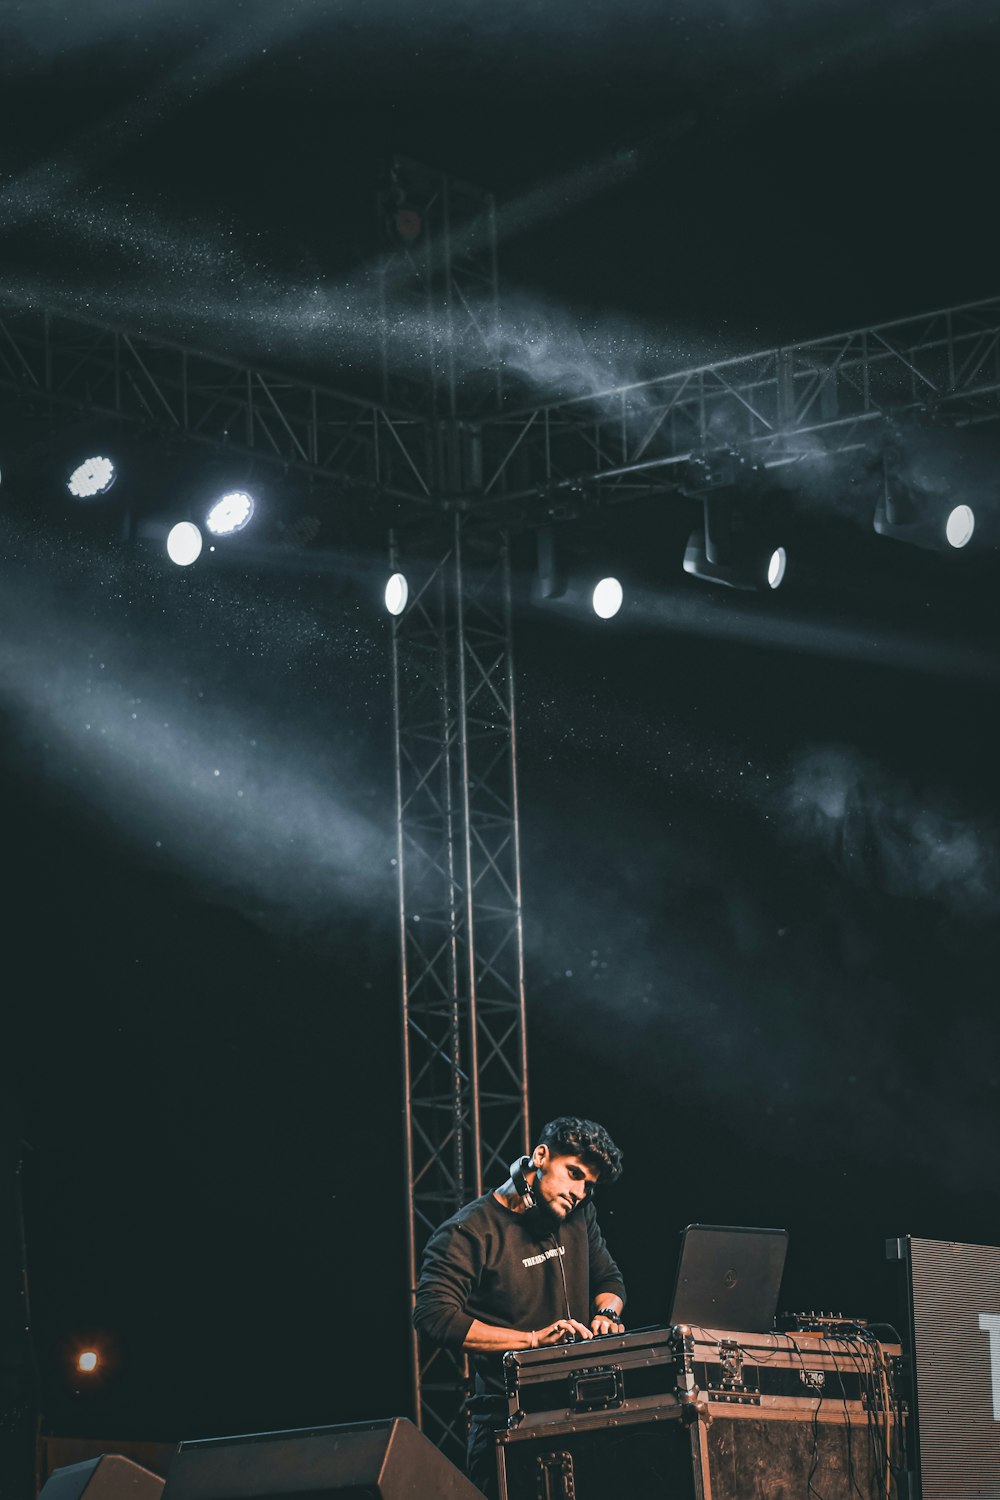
[{"x": 729, "y": 1277}]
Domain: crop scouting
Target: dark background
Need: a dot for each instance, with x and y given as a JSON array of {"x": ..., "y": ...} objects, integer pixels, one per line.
[{"x": 760, "y": 861}]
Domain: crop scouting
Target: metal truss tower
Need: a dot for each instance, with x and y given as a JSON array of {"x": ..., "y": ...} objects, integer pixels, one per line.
[
  {"x": 461, "y": 936},
  {"x": 461, "y": 939},
  {"x": 438, "y": 294}
]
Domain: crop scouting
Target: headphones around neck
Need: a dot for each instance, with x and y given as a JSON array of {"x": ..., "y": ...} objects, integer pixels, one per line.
[{"x": 518, "y": 1169}]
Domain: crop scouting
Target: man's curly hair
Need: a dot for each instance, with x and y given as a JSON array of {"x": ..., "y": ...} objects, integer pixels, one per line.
[{"x": 571, "y": 1136}]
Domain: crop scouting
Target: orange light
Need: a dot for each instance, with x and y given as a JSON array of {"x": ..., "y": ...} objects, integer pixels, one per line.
[{"x": 87, "y": 1362}]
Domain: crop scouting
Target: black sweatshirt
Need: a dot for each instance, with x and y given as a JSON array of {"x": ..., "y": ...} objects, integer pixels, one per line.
[{"x": 501, "y": 1267}]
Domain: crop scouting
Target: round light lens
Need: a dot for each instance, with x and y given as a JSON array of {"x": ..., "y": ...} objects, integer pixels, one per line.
[
  {"x": 960, "y": 525},
  {"x": 184, "y": 543},
  {"x": 87, "y": 1362},
  {"x": 230, "y": 513},
  {"x": 94, "y": 476},
  {"x": 776, "y": 567},
  {"x": 608, "y": 597},
  {"x": 397, "y": 591}
]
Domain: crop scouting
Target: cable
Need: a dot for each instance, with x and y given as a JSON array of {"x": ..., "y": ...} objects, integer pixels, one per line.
[
  {"x": 562, "y": 1271},
  {"x": 814, "y": 1462}
]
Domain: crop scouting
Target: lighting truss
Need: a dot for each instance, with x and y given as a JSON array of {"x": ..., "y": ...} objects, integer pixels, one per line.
[
  {"x": 461, "y": 937},
  {"x": 311, "y": 428},
  {"x": 439, "y": 281},
  {"x": 781, "y": 406}
]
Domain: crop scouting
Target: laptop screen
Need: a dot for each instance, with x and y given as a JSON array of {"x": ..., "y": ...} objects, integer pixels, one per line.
[{"x": 729, "y": 1277}]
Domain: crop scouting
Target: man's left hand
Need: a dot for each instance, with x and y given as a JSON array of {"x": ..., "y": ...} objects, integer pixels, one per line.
[{"x": 602, "y": 1323}]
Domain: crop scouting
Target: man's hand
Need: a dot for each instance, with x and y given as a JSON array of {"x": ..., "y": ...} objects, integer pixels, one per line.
[
  {"x": 608, "y": 1317},
  {"x": 562, "y": 1331}
]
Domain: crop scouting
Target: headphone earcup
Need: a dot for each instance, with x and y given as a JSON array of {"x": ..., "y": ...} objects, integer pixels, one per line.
[{"x": 517, "y": 1174}]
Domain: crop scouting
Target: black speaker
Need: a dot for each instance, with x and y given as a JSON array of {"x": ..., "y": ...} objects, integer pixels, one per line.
[
  {"x": 386, "y": 1460},
  {"x": 109, "y": 1477}
]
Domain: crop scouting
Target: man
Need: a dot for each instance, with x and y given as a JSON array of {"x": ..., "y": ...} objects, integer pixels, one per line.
[{"x": 523, "y": 1267}]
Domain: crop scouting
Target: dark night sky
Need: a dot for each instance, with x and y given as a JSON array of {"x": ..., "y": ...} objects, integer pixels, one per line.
[{"x": 760, "y": 860}]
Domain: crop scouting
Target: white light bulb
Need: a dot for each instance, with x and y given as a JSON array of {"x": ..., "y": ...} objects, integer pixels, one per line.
[
  {"x": 230, "y": 513},
  {"x": 397, "y": 591},
  {"x": 608, "y": 597},
  {"x": 94, "y": 476},
  {"x": 776, "y": 567},
  {"x": 184, "y": 543}
]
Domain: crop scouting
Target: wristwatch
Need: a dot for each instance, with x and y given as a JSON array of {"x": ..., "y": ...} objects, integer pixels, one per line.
[{"x": 610, "y": 1314}]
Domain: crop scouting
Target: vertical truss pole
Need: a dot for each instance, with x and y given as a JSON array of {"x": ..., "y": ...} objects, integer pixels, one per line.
[
  {"x": 438, "y": 298},
  {"x": 492, "y": 873},
  {"x": 460, "y": 921},
  {"x": 495, "y": 305}
]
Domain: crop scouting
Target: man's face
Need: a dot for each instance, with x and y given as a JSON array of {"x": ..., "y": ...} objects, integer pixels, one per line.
[{"x": 561, "y": 1182}]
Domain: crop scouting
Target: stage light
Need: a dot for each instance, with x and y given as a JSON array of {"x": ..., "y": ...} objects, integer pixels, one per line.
[
  {"x": 743, "y": 516},
  {"x": 93, "y": 477},
  {"x": 732, "y": 547},
  {"x": 88, "y": 1361},
  {"x": 911, "y": 507},
  {"x": 960, "y": 525},
  {"x": 397, "y": 591},
  {"x": 607, "y": 598},
  {"x": 184, "y": 543},
  {"x": 908, "y": 516},
  {"x": 230, "y": 513}
]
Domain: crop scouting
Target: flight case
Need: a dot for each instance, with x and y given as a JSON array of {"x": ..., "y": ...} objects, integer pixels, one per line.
[
  {"x": 702, "y": 1414},
  {"x": 593, "y": 1419}
]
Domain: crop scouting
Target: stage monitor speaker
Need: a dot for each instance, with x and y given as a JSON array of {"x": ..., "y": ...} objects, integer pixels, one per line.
[
  {"x": 109, "y": 1477},
  {"x": 385, "y": 1460},
  {"x": 953, "y": 1297}
]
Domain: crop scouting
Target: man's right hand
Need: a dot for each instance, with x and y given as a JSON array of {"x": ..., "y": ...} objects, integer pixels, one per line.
[
  {"x": 563, "y": 1331},
  {"x": 484, "y": 1338}
]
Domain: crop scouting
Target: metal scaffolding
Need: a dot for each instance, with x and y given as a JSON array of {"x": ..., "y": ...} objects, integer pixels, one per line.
[
  {"x": 88, "y": 368},
  {"x": 787, "y": 405},
  {"x": 779, "y": 406},
  {"x": 438, "y": 294},
  {"x": 460, "y": 917}
]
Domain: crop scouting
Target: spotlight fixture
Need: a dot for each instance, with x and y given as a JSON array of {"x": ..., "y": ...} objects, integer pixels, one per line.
[
  {"x": 960, "y": 525},
  {"x": 735, "y": 545},
  {"x": 909, "y": 511},
  {"x": 184, "y": 543},
  {"x": 908, "y": 517},
  {"x": 93, "y": 477},
  {"x": 607, "y": 598},
  {"x": 230, "y": 513},
  {"x": 397, "y": 592}
]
